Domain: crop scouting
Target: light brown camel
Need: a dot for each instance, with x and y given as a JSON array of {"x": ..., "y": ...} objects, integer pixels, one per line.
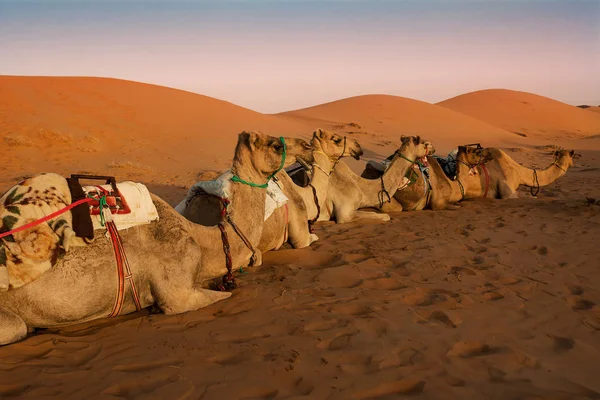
[
  {"x": 286, "y": 222},
  {"x": 347, "y": 192},
  {"x": 500, "y": 177},
  {"x": 327, "y": 150},
  {"x": 437, "y": 192},
  {"x": 170, "y": 258}
]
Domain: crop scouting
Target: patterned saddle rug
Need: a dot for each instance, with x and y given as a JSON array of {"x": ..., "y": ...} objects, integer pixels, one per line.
[{"x": 27, "y": 254}]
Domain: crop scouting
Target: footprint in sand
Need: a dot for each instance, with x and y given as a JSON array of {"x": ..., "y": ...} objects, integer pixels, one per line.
[
  {"x": 578, "y": 303},
  {"x": 399, "y": 387},
  {"x": 561, "y": 344},
  {"x": 471, "y": 349}
]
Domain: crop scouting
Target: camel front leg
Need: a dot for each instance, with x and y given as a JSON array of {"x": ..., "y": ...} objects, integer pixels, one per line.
[
  {"x": 12, "y": 327},
  {"x": 506, "y": 192},
  {"x": 179, "y": 301},
  {"x": 299, "y": 234}
]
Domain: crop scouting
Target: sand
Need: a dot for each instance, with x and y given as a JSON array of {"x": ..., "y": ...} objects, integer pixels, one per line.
[
  {"x": 496, "y": 300},
  {"x": 526, "y": 114}
]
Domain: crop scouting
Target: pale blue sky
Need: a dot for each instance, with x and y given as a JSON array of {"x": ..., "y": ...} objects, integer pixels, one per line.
[{"x": 277, "y": 55}]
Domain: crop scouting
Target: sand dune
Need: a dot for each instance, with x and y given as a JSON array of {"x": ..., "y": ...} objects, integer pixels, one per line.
[
  {"x": 496, "y": 300},
  {"x": 525, "y": 113},
  {"x": 383, "y": 118},
  {"x": 126, "y": 127},
  {"x": 595, "y": 109}
]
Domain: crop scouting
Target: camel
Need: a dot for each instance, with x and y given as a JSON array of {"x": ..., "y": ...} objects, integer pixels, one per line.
[
  {"x": 328, "y": 149},
  {"x": 170, "y": 259},
  {"x": 291, "y": 222},
  {"x": 347, "y": 192},
  {"x": 437, "y": 192},
  {"x": 501, "y": 177},
  {"x": 287, "y": 222}
]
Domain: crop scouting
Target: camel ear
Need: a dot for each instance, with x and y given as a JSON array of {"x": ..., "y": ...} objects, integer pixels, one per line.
[
  {"x": 320, "y": 133},
  {"x": 572, "y": 153},
  {"x": 404, "y": 139},
  {"x": 462, "y": 149},
  {"x": 254, "y": 139},
  {"x": 416, "y": 139}
]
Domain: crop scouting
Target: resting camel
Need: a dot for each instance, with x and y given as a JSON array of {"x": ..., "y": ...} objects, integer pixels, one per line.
[
  {"x": 501, "y": 177},
  {"x": 347, "y": 192},
  {"x": 169, "y": 258},
  {"x": 287, "y": 222},
  {"x": 291, "y": 223},
  {"x": 438, "y": 192},
  {"x": 328, "y": 149}
]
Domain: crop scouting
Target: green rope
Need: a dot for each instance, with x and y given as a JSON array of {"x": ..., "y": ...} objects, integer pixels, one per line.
[
  {"x": 102, "y": 205},
  {"x": 407, "y": 159},
  {"x": 236, "y": 178}
]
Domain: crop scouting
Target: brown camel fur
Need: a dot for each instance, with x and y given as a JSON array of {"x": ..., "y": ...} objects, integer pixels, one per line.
[
  {"x": 438, "y": 192},
  {"x": 506, "y": 175},
  {"x": 206, "y": 210},
  {"x": 347, "y": 192},
  {"x": 170, "y": 258},
  {"x": 327, "y": 149}
]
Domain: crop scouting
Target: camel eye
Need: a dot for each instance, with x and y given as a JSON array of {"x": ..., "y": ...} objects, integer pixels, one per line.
[
  {"x": 337, "y": 141},
  {"x": 277, "y": 146}
]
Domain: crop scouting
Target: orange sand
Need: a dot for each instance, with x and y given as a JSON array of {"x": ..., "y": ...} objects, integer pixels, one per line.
[
  {"x": 525, "y": 113},
  {"x": 497, "y": 300}
]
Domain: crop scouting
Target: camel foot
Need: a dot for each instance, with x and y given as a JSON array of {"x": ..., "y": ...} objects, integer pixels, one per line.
[
  {"x": 256, "y": 261},
  {"x": 190, "y": 300},
  {"x": 452, "y": 207},
  {"x": 372, "y": 215},
  {"x": 12, "y": 327}
]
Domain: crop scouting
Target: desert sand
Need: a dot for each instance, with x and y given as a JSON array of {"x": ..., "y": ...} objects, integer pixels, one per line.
[{"x": 497, "y": 300}]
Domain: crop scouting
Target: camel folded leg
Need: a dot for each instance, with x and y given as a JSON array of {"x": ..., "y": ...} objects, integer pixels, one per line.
[
  {"x": 12, "y": 327},
  {"x": 505, "y": 191},
  {"x": 180, "y": 300}
]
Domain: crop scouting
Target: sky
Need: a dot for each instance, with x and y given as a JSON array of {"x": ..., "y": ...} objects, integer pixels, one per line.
[{"x": 279, "y": 55}]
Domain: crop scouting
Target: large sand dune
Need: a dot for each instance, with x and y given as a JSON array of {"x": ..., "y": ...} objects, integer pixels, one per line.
[
  {"x": 525, "y": 113},
  {"x": 496, "y": 300},
  {"x": 383, "y": 118},
  {"x": 94, "y": 124}
]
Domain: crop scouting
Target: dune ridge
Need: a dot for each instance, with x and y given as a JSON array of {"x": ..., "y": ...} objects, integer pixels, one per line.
[
  {"x": 526, "y": 113},
  {"x": 495, "y": 300}
]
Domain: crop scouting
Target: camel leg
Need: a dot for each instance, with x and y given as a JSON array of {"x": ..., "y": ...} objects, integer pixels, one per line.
[
  {"x": 299, "y": 236},
  {"x": 505, "y": 192},
  {"x": 179, "y": 300},
  {"x": 372, "y": 215},
  {"x": 344, "y": 218},
  {"x": 12, "y": 327},
  {"x": 393, "y": 206}
]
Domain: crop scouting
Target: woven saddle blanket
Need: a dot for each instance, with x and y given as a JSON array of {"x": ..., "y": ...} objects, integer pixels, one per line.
[{"x": 27, "y": 254}]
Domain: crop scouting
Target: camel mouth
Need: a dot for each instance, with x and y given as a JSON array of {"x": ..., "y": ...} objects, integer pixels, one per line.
[
  {"x": 303, "y": 163},
  {"x": 356, "y": 154}
]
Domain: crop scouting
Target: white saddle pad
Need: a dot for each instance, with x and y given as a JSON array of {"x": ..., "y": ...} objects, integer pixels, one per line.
[
  {"x": 222, "y": 187},
  {"x": 139, "y": 201}
]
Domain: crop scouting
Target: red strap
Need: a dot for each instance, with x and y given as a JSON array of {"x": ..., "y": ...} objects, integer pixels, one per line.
[{"x": 46, "y": 218}]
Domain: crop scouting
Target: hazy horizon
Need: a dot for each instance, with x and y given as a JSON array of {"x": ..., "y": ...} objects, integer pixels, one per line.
[{"x": 273, "y": 56}]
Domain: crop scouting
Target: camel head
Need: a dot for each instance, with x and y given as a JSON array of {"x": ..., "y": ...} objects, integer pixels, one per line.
[
  {"x": 474, "y": 155},
  {"x": 565, "y": 157},
  {"x": 258, "y": 156},
  {"x": 335, "y": 146},
  {"x": 422, "y": 148},
  {"x": 298, "y": 150}
]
